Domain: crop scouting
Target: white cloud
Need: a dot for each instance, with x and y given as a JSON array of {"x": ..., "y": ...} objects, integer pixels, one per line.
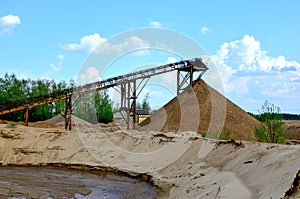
[
  {"x": 156, "y": 24},
  {"x": 57, "y": 67},
  {"x": 87, "y": 43},
  {"x": 133, "y": 42},
  {"x": 248, "y": 70},
  {"x": 239, "y": 85},
  {"x": 9, "y": 20},
  {"x": 54, "y": 67},
  {"x": 169, "y": 79},
  {"x": 275, "y": 91},
  {"x": 96, "y": 44},
  {"x": 205, "y": 30},
  {"x": 8, "y": 23},
  {"x": 171, "y": 60},
  {"x": 91, "y": 74},
  {"x": 245, "y": 56},
  {"x": 60, "y": 59},
  {"x": 156, "y": 93}
]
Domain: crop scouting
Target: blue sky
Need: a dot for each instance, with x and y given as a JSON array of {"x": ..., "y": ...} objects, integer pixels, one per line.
[{"x": 254, "y": 44}]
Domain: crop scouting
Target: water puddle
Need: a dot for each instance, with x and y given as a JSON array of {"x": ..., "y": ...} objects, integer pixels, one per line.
[{"x": 23, "y": 183}]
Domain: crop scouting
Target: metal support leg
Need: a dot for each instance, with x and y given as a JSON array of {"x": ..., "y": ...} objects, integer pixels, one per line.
[
  {"x": 26, "y": 116},
  {"x": 185, "y": 81},
  {"x": 68, "y": 114},
  {"x": 178, "y": 82},
  {"x": 134, "y": 104},
  {"x": 128, "y": 105},
  {"x": 123, "y": 95},
  {"x": 191, "y": 77}
]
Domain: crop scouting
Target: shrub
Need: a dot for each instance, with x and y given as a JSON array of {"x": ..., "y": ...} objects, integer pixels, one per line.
[
  {"x": 11, "y": 125},
  {"x": 271, "y": 129}
]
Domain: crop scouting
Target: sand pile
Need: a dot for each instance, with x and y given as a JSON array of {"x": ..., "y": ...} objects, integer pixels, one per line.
[
  {"x": 59, "y": 121},
  {"x": 292, "y": 128},
  {"x": 170, "y": 117},
  {"x": 3, "y": 122}
]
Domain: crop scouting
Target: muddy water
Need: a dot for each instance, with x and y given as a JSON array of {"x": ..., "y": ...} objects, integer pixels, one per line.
[{"x": 19, "y": 182}]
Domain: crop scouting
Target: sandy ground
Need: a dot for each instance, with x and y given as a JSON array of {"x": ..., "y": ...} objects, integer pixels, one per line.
[
  {"x": 180, "y": 165},
  {"x": 292, "y": 128}
]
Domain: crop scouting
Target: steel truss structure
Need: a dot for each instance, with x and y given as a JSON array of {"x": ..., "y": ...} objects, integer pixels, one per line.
[{"x": 127, "y": 85}]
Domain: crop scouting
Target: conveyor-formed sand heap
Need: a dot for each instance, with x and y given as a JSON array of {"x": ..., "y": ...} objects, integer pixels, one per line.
[{"x": 170, "y": 117}]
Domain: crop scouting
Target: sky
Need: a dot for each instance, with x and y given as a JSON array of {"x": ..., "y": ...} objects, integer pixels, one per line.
[{"x": 254, "y": 45}]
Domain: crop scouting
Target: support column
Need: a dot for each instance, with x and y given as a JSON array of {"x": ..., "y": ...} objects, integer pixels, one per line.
[
  {"x": 123, "y": 95},
  {"x": 134, "y": 104},
  {"x": 68, "y": 114},
  {"x": 178, "y": 82},
  {"x": 191, "y": 76},
  {"x": 128, "y": 105},
  {"x": 26, "y": 116},
  {"x": 186, "y": 80}
]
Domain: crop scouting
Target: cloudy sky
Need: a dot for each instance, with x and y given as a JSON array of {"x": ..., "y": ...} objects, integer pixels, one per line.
[{"x": 254, "y": 44}]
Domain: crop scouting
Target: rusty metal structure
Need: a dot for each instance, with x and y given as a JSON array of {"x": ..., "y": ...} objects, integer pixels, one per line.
[{"x": 129, "y": 86}]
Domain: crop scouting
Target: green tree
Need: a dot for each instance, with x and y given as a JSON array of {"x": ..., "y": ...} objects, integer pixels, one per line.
[
  {"x": 103, "y": 107},
  {"x": 14, "y": 92},
  {"x": 43, "y": 112},
  {"x": 59, "y": 106},
  {"x": 271, "y": 129},
  {"x": 146, "y": 104},
  {"x": 84, "y": 108}
]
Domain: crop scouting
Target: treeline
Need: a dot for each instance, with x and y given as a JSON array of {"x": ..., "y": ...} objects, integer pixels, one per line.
[
  {"x": 288, "y": 116},
  {"x": 94, "y": 107},
  {"x": 283, "y": 116},
  {"x": 13, "y": 89}
]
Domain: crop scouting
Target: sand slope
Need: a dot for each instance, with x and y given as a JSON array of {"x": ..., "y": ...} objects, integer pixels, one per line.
[
  {"x": 230, "y": 170},
  {"x": 292, "y": 128}
]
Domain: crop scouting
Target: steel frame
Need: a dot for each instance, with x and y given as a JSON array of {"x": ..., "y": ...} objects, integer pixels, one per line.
[{"x": 127, "y": 82}]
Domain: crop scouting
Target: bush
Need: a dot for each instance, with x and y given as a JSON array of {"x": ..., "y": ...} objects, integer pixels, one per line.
[
  {"x": 11, "y": 125},
  {"x": 271, "y": 129}
]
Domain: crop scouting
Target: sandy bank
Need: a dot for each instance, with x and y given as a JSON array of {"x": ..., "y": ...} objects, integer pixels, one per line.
[{"x": 169, "y": 160}]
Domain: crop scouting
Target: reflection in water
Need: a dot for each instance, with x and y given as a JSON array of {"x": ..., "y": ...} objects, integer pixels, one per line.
[{"x": 19, "y": 182}]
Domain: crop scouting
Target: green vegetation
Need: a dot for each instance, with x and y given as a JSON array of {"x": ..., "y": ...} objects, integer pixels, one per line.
[
  {"x": 285, "y": 116},
  {"x": 271, "y": 129},
  {"x": 214, "y": 134},
  {"x": 145, "y": 104},
  {"x": 13, "y": 89},
  {"x": 227, "y": 136},
  {"x": 103, "y": 106},
  {"x": 11, "y": 125},
  {"x": 95, "y": 107}
]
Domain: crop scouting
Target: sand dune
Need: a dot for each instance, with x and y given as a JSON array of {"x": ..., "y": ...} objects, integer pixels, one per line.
[{"x": 170, "y": 160}]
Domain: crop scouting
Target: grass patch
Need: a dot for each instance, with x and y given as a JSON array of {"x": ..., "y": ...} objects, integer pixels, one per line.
[{"x": 11, "y": 125}]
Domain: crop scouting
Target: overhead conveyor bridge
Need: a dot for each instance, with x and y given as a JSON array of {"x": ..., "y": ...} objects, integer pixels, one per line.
[{"x": 128, "y": 89}]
